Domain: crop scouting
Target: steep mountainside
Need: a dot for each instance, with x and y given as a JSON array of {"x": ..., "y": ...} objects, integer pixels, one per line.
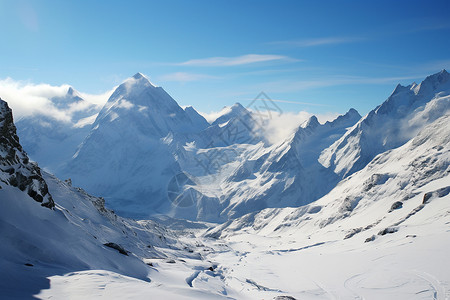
[
  {"x": 393, "y": 189},
  {"x": 146, "y": 155},
  {"x": 126, "y": 157},
  {"x": 49, "y": 227},
  {"x": 236, "y": 179},
  {"x": 390, "y": 125},
  {"x": 16, "y": 170}
]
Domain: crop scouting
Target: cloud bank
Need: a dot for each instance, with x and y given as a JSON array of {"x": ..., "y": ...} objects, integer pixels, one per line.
[
  {"x": 27, "y": 99},
  {"x": 278, "y": 127}
]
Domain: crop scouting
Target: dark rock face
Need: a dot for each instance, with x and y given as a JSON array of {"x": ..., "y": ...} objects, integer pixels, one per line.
[
  {"x": 396, "y": 205},
  {"x": 117, "y": 247},
  {"x": 388, "y": 230},
  {"x": 370, "y": 239},
  {"x": 15, "y": 167}
]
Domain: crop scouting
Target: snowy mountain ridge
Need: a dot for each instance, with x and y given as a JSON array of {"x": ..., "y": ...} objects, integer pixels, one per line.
[
  {"x": 229, "y": 169},
  {"x": 390, "y": 125},
  {"x": 374, "y": 223}
]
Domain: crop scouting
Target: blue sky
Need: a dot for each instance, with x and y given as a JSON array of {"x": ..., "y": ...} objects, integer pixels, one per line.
[{"x": 326, "y": 55}]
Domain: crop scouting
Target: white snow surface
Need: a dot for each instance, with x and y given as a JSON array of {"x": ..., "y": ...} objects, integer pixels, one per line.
[
  {"x": 142, "y": 142},
  {"x": 343, "y": 210}
]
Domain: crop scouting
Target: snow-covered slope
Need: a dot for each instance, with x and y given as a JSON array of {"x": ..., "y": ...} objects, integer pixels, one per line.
[
  {"x": 146, "y": 155},
  {"x": 381, "y": 233},
  {"x": 52, "y": 142},
  {"x": 126, "y": 157},
  {"x": 51, "y": 230},
  {"x": 235, "y": 179},
  {"x": 49, "y": 227},
  {"x": 389, "y": 191},
  {"x": 390, "y": 125}
]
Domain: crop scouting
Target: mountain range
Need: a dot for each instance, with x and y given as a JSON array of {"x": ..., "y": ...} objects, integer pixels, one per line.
[{"x": 223, "y": 212}]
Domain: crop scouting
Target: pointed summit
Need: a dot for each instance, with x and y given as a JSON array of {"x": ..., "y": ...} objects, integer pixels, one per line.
[
  {"x": 433, "y": 83},
  {"x": 228, "y": 113},
  {"x": 138, "y": 75},
  {"x": 312, "y": 122},
  {"x": 139, "y": 79},
  {"x": 73, "y": 94},
  {"x": 70, "y": 91}
]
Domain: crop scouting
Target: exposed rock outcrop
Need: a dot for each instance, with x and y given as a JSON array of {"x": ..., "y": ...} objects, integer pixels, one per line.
[{"x": 15, "y": 167}]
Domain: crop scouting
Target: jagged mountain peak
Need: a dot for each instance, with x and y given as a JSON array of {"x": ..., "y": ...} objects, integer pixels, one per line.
[
  {"x": 403, "y": 99},
  {"x": 390, "y": 125},
  {"x": 138, "y": 93},
  {"x": 231, "y": 112},
  {"x": 138, "y": 75},
  {"x": 195, "y": 117},
  {"x": 312, "y": 122},
  {"x": 433, "y": 83},
  {"x": 15, "y": 167},
  {"x": 140, "y": 79},
  {"x": 72, "y": 92},
  {"x": 350, "y": 114},
  {"x": 350, "y": 118}
]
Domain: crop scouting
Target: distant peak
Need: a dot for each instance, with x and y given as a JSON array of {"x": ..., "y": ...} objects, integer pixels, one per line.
[
  {"x": 237, "y": 106},
  {"x": 73, "y": 94},
  {"x": 433, "y": 82},
  {"x": 312, "y": 122},
  {"x": 70, "y": 91},
  {"x": 438, "y": 77},
  {"x": 138, "y": 75},
  {"x": 353, "y": 112},
  {"x": 141, "y": 78}
]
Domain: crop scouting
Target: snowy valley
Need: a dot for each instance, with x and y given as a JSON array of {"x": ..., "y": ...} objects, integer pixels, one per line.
[{"x": 144, "y": 199}]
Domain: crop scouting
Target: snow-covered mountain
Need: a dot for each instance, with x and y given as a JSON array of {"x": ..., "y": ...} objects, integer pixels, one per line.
[
  {"x": 381, "y": 233},
  {"x": 353, "y": 208},
  {"x": 382, "y": 194},
  {"x": 126, "y": 157},
  {"x": 49, "y": 227},
  {"x": 142, "y": 142},
  {"x": 146, "y": 155},
  {"x": 52, "y": 142},
  {"x": 390, "y": 125}
]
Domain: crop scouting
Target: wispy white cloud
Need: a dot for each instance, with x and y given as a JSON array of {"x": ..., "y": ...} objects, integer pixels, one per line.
[
  {"x": 28, "y": 99},
  {"x": 279, "y": 126},
  {"x": 213, "y": 115},
  {"x": 317, "y": 41},
  {"x": 235, "y": 61},
  {"x": 299, "y": 85},
  {"x": 98, "y": 99},
  {"x": 185, "y": 77}
]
